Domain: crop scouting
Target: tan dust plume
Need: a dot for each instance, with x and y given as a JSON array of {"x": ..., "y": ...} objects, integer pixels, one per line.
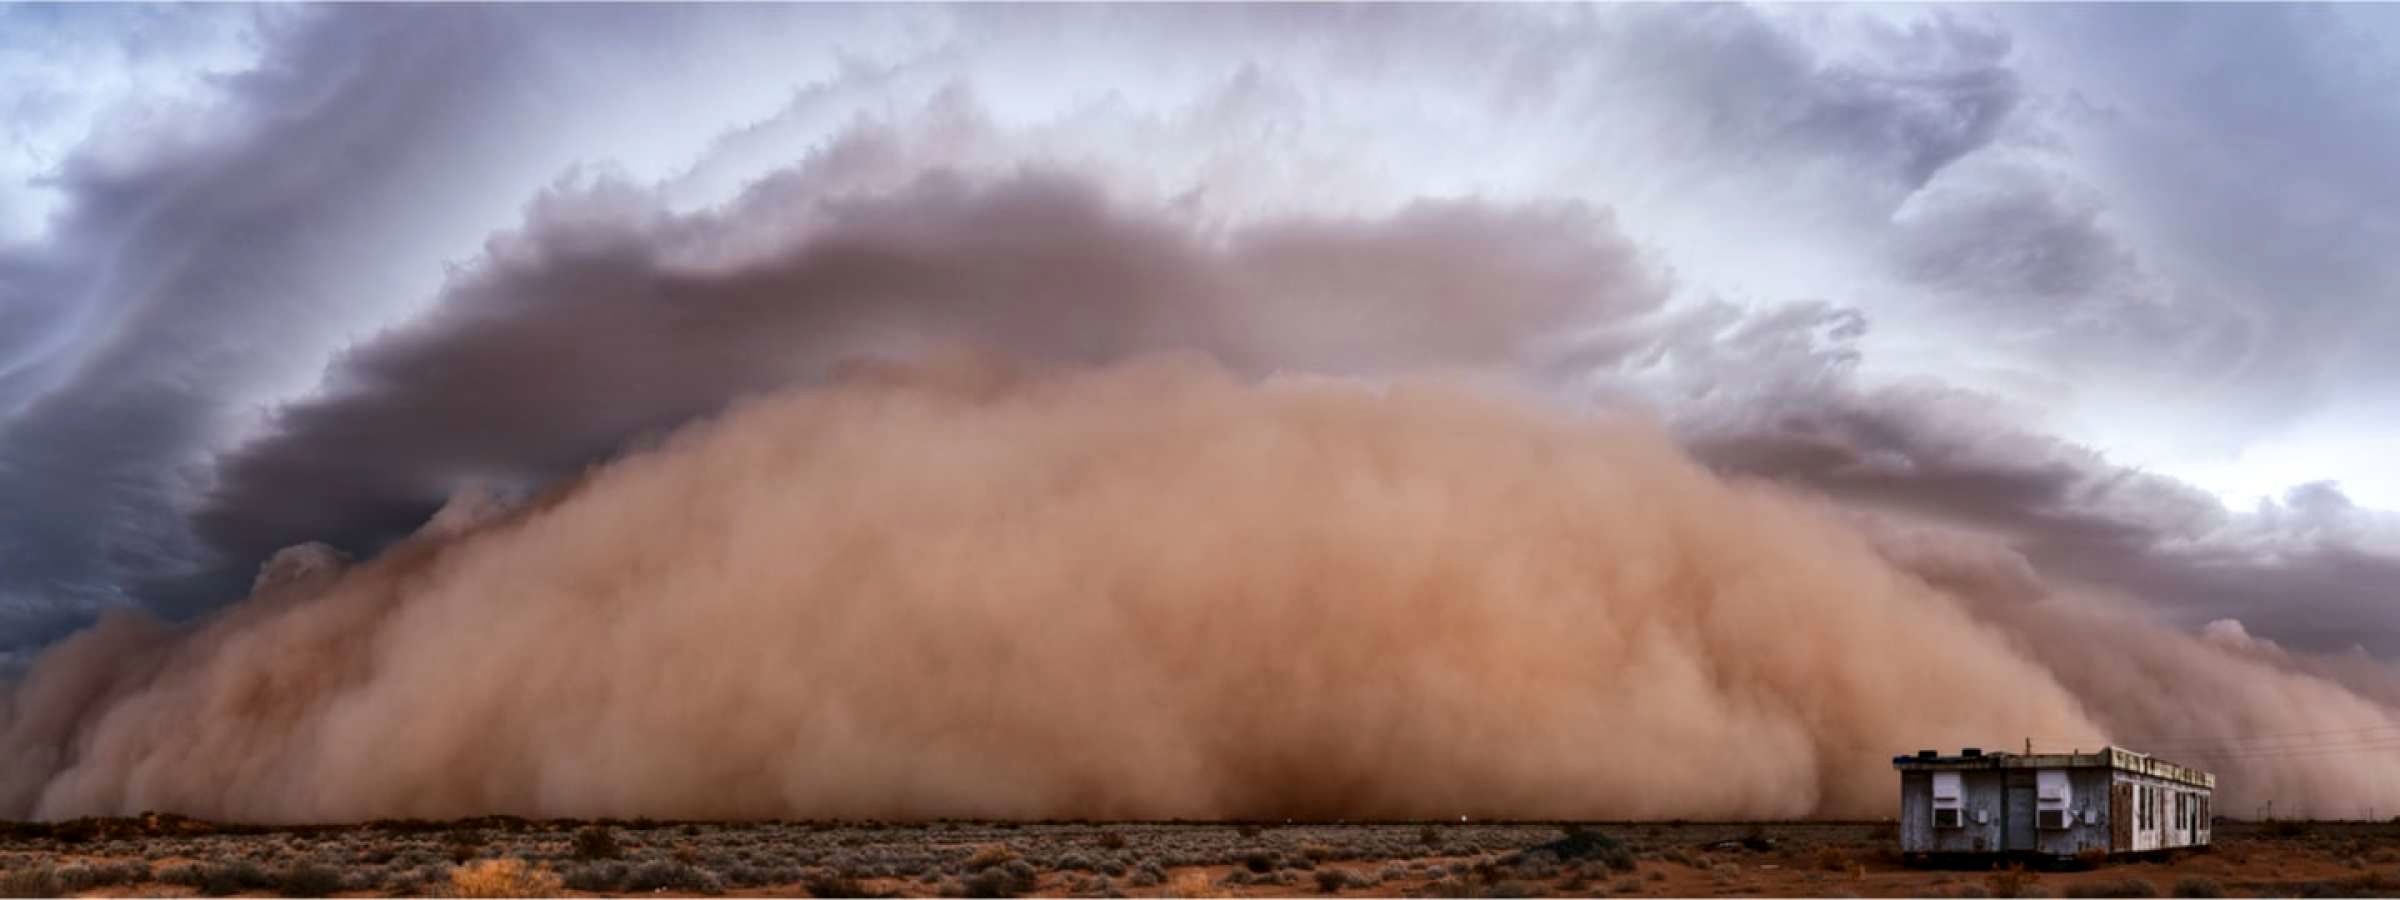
[{"x": 1153, "y": 590}]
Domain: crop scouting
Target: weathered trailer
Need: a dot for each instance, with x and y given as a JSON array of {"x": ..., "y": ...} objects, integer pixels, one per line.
[{"x": 2111, "y": 801}]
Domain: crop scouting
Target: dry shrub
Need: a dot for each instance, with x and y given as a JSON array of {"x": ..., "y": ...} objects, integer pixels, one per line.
[
  {"x": 2373, "y": 884},
  {"x": 2014, "y": 881},
  {"x": 1110, "y": 840},
  {"x": 503, "y": 878},
  {"x": 2285, "y": 828},
  {"x": 2091, "y": 857},
  {"x": 1832, "y": 859},
  {"x": 2196, "y": 886},
  {"x": 596, "y": 842},
  {"x": 832, "y": 883},
  {"x": 2113, "y": 887},
  {"x": 36, "y": 880},
  {"x": 987, "y": 857},
  {"x": 308, "y": 880}
]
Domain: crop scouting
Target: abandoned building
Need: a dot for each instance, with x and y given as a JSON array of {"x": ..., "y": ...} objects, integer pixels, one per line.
[{"x": 2110, "y": 801}]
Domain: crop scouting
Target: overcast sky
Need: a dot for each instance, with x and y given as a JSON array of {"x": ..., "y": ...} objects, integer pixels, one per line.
[{"x": 2113, "y": 282}]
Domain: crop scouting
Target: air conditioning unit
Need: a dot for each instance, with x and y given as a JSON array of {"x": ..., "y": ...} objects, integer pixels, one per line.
[
  {"x": 1945, "y": 818},
  {"x": 2052, "y": 820}
]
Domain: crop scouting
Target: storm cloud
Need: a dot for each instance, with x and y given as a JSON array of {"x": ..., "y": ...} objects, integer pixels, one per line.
[{"x": 2052, "y": 328}]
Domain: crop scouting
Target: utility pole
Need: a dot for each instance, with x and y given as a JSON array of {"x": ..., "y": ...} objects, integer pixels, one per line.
[{"x": 2028, "y": 746}]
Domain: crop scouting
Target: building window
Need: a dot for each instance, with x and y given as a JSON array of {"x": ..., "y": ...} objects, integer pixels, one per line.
[
  {"x": 1948, "y": 808},
  {"x": 2053, "y": 796}
]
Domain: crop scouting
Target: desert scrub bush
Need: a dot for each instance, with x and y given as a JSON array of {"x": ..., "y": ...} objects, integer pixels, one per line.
[
  {"x": 308, "y": 880},
  {"x": 75, "y": 878},
  {"x": 1514, "y": 888},
  {"x": 670, "y": 875},
  {"x": 1110, "y": 840},
  {"x": 596, "y": 842},
  {"x": 1447, "y": 887},
  {"x": 2196, "y": 886},
  {"x": 597, "y": 877},
  {"x": 503, "y": 878},
  {"x": 363, "y": 879},
  {"x": 33, "y": 880},
  {"x": 1261, "y": 861},
  {"x": 226, "y": 879},
  {"x": 1393, "y": 872},
  {"x": 1832, "y": 859},
  {"x": 1006, "y": 880},
  {"x": 464, "y": 844},
  {"x": 1148, "y": 874},
  {"x": 2113, "y": 887},
  {"x": 1331, "y": 880},
  {"x": 832, "y": 883},
  {"x": 2285, "y": 828},
  {"x": 2013, "y": 881},
  {"x": 99, "y": 874},
  {"x": 987, "y": 857}
]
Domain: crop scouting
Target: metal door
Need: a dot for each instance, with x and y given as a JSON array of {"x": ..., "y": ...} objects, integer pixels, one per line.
[{"x": 2016, "y": 811}]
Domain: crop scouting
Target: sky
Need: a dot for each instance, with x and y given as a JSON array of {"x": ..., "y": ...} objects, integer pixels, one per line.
[{"x": 2109, "y": 283}]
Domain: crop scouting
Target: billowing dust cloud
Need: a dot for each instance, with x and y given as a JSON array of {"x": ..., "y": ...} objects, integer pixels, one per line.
[{"x": 1156, "y": 589}]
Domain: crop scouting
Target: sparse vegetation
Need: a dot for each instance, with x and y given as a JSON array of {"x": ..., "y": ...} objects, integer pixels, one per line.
[
  {"x": 128, "y": 857},
  {"x": 30, "y": 881},
  {"x": 1832, "y": 859},
  {"x": 2013, "y": 881},
  {"x": 1331, "y": 880},
  {"x": 2114, "y": 887},
  {"x": 502, "y": 878},
  {"x": 308, "y": 879},
  {"x": 597, "y": 842}
]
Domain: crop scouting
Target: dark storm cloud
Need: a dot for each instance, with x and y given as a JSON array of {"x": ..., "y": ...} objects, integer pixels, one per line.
[
  {"x": 1774, "y": 394},
  {"x": 607, "y": 318},
  {"x": 205, "y": 257},
  {"x": 189, "y": 262}
]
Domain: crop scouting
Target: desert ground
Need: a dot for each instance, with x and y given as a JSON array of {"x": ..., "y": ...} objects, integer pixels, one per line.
[{"x": 164, "y": 856}]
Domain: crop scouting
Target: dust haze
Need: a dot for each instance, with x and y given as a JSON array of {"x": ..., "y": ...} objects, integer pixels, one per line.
[{"x": 1152, "y": 589}]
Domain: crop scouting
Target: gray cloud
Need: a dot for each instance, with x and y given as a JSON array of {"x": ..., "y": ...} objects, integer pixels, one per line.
[
  {"x": 1775, "y": 394},
  {"x": 607, "y": 318}
]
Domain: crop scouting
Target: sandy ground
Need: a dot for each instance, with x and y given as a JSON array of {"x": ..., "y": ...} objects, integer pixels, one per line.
[{"x": 167, "y": 857}]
